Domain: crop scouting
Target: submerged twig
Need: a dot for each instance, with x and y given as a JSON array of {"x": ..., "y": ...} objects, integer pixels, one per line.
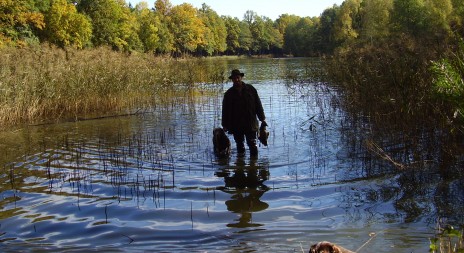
[
  {"x": 374, "y": 235},
  {"x": 375, "y": 148}
]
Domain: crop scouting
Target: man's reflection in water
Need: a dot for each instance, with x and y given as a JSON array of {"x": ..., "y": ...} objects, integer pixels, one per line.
[{"x": 246, "y": 184}]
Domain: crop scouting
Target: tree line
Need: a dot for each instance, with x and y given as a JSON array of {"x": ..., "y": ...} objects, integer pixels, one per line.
[
  {"x": 167, "y": 29},
  {"x": 164, "y": 28}
]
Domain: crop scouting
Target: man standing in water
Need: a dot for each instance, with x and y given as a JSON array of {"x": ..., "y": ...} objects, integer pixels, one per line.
[{"x": 240, "y": 107}]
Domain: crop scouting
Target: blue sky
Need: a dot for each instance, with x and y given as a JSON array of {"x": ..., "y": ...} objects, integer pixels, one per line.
[{"x": 269, "y": 8}]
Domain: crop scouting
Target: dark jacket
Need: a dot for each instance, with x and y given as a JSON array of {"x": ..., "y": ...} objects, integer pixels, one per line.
[{"x": 239, "y": 111}]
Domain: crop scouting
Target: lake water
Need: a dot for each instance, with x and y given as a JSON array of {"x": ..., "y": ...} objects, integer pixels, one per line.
[{"x": 150, "y": 182}]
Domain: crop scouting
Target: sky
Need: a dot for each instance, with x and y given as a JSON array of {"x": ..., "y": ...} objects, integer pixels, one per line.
[{"x": 269, "y": 8}]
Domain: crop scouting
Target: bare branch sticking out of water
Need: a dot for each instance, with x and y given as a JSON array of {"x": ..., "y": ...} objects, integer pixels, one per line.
[{"x": 376, "y": 149}]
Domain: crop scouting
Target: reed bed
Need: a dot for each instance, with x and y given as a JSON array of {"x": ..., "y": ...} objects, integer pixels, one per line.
[{"x": 45, "y": 83}]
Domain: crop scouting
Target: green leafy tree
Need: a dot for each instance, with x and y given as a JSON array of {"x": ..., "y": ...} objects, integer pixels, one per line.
[
  {"x": 292, "y": 39},
  {"x": 163, "y": 9},
  {"x": 300, "y": 35},
  {"x": 41, "y": 6},
  {"x": 166, "y": 39},
  {"x": 250, "y": 32},
  {"x": 286, "y": 25},
  {"x": 439, "y": 16},
  {"x": 233, "y": 34},
  {"x": 284, "y": 20},
  {"x": 149, "y": 28},
  {"x": 275, "y": 38},
  {"x": 258, "y": 34},
  {"x": 325, "y": 36},
  {"x": 410, "y": 17},
  {"x": 457, "y": 21},
  {"x": 215, "y": 32},
  {"x": 313, "y": 40},
  {"x": 376, "y": 19},
  {"x": 187, "y": 28},
  {"x": 113, "y": 23},
  {"x": 423, "y": 19},
  {"x": 129, "y": 29},
  {"x": 346, "y": 27},
  {"x": 246, "y": 38},
  {"x": 65, "y": 27},
  {"x": 264, "y": 35},
  {"x": 249, "y": 17},
  {"x": 18, "y": 19}
]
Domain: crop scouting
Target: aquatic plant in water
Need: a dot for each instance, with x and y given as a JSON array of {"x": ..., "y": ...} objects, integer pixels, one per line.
[{"x": 447, "y": 240}]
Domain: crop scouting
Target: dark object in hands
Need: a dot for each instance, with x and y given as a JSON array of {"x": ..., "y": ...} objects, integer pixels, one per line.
[
  {"x": 263, "y": 134},
  {"x": 221, "y": 143},
  {"x": 327, "y": 247}
]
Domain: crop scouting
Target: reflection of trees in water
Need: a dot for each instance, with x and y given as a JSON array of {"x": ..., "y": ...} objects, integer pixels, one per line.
[{"x": 246, "y": 185}]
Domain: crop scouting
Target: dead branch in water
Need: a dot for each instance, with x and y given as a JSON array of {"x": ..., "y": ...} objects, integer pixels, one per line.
[{"x": 377, "y": 150}]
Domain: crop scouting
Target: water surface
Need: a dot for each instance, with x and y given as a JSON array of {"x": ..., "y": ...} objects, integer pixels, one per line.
[{"x": 151, "y": 182}]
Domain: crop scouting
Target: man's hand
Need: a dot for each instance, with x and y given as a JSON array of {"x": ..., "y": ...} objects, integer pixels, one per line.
[{"x": 264, "y": 123}]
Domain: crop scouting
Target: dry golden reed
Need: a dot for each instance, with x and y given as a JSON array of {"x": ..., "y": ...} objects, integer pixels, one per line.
[{"x": 45, "y": 83}]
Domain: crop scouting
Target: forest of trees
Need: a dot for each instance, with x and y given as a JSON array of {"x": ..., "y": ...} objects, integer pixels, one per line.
[{"x": 164, "y": 28}]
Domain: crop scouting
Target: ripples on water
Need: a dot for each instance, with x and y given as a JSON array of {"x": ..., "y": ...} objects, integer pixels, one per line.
[{"x": 151, "y": 182}]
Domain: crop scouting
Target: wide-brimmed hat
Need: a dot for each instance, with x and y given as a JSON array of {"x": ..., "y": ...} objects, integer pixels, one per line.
[{"x": 236, "y": 72}]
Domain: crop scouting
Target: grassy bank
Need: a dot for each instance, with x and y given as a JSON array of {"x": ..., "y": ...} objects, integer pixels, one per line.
[{"x": 48, "y": 84}]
